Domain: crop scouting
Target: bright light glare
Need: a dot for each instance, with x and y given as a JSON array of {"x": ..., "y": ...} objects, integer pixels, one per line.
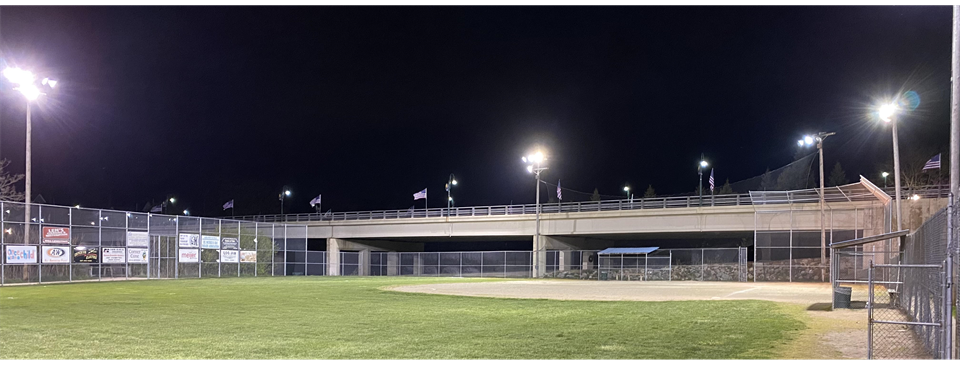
[
  {"x": 172, "y": 200},
  {"x": 29, "y": 91},
  {"x": 808, "y": 140},
  {"x": 800, "y": 143},
  {"x": 885, "y": 174},
  {"x": 287, "y": 193},
  {"x": 529, "y": 168},
  {"x": 915, "y": 197},
  {"x": 626, "y": 188},
  {"x": 186, "y": 212},
  {"x": 538, "y": 157},
  {"x": 18, "y": 76},
  {"x": 703, "y": 163},
  {"x": 450, "y": 198},
  {"x": 49, "y": 82},
  {"x": 524, "y": 158},
  {"x": 886, "y": 112},
  {"x": 454, "y": 182}
]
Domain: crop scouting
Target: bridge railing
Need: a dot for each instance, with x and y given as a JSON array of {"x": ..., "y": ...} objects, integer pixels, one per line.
[{"x": 801, "y": 196}]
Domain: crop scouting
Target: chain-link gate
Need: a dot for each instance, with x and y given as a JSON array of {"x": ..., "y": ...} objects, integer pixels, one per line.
[{"x": 907, "y": 319}]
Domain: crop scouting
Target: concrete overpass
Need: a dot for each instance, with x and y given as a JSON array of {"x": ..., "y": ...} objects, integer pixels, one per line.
[{"x": 858, "y": 207}]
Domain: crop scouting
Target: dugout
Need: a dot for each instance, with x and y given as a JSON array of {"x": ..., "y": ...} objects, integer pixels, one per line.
[{"x": 633, "y": 263}]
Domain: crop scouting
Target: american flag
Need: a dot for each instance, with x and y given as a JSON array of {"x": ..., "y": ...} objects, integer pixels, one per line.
[
  {"x": 228, "y": 205},
  {"x": 421, "y": 195},
  {"x": 559, "y": 192},
  {"x": 934, "y": 163},
  {"x": 315, "y": 201},
  {"x": 711, "y": 180}
]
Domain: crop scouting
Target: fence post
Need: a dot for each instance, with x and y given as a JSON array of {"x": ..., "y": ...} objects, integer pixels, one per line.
[
  {"x": 701, "y": 264},
  {"x": 670, "y": 256},
  {"x": 870, "y": 312}
]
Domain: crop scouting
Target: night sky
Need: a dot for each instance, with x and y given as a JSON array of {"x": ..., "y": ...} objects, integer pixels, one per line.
[{"x": 368, "y": 105}]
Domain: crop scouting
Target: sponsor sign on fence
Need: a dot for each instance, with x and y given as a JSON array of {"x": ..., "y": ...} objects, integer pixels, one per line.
[
  {"x": 21, "y": 254},
  {"x": 114, "y": 255},
  {"x": 189, "y": 240},
  {"x": 229, "y": 243},
  {"x": 189, "y": 255},
  {"x": 138, "y": 239},
  {"x": 210, "y": 242},
  {"x": 59, "y": 235},
  {"x": 84, "y": 255},
  {"x": 229, "y": 256},
  {"x": 137, "y": 255},
  {"x": 55, "y": 255},
  {"x": 248, "y": 256}
]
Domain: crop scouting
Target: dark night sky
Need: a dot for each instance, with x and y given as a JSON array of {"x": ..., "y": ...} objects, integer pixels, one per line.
[{"x": 368, "y": 105}]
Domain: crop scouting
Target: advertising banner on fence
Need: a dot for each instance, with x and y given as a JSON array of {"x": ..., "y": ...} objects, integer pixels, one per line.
[
  {"x": 113, "y": 255},
  {"x": 84, "y": 255},
  {"x": 138, "y": 239},
  {"x": 21, "y": 254},
  {"x": 248, "y": 256},
  {"x": 229, "y": 243},
  {"x": 210, "y": 242},
  {"x": 229, "y": 256},
  {"x": 189, "y": 240},
  {"x": 55, "y": 255},
  {"x": 137, "y": 255},
  {"x": 189, "y": 255},
  {"x": 56, "y": 235}
]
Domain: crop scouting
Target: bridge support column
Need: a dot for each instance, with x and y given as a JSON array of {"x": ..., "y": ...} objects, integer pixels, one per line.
[
  {"x": 333, "y": 256},
  {"x": 363, "y": 268},
  {"x": 539, "y": 257},
  {"x": 393, "y": 264},
  {"x": 417, "y": 265},
  {"x": 564, "y": 260}
]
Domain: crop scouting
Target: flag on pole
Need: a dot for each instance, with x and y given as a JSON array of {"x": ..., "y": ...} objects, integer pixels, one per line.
[
  {"x": 934, "y": 163},
  {"x": 420, "y": 195},
  {"x": 559, "y": 193},
  {"x": 711, "y": 180},
  {"x": 228, "y": 205},
  {"x": 157, "y": 209},
  {"x": 315, "y": 201}
]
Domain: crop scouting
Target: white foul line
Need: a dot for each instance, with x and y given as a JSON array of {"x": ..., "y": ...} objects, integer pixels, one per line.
[{"x": 742, "y": 291}]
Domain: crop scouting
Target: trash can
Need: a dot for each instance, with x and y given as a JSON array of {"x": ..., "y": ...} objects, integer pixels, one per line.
[
  {"x": 841, "y": 296},
  {"x": 603, "y": 275}
]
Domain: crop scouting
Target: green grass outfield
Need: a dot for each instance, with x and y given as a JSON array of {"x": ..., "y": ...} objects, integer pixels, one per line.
[{"x": 354, "y": 318}]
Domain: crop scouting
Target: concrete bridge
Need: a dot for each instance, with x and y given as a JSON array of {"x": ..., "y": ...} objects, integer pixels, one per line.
[{"x": 861, "y": 208}]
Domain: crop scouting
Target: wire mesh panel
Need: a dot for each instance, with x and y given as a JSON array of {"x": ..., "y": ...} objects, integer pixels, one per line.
[
  {"x": 82, "y": 244},
  {"x": 907, "y": 319}
]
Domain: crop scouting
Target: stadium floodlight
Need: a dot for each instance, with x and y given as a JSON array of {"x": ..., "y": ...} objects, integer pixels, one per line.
[
  {"x": 186, "y": 212},
  {"x": 25, "y": 81},
  {"x": 283, "y": 193},
  {"x": 888, "y": 113},
  {"x": 884, "y": 174},
  {"x": 535, "y": 166},
  {"x": 808, "y": 140},
  {"x": 451, "y": 182},
  {"x": 703, "y": 164}
]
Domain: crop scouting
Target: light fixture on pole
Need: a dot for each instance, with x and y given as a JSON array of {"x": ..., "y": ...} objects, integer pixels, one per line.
[
  {"x": 284, "y": 193},
  {"x": 26, "y": 84},
  {"x": 626, "y": 189},
  {"x": 451, "y": 182},
  {"x": 535, "y": 166},
  {"x": 888, "y": 114},
  {"x": 703, "y": 164},
  {"x": 884, "y": 174},
  {"x": 808, "y": 141}
]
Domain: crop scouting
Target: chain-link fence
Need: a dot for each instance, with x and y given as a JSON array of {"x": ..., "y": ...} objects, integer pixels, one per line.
[
  {"x": 48, "y": 243},
  {"x": 909, "y": 307},
  {"x": 707, "y": 264}
]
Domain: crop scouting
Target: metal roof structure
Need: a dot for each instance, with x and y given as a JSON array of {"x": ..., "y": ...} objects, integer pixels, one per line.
[
  {"x": 627, "y": 250},
  {"x": 860, "y": 191}
]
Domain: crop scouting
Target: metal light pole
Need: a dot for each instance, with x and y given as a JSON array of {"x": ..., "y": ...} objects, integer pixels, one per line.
[
  {"x": 535, "y": 167},
  {"x": 703, "y": 164},
  {"x": 808, "y": 140},
  {"x": 282, "y": 194},
  {"x": 26, "y": 84},
  {"x": 451, "y": 182},
  {"x": 888, "y": 113}
]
